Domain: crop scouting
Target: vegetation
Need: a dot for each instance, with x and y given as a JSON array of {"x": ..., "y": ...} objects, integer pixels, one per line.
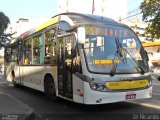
[
  {"x": 151, "y": 14},
  {"x": 4, "y": 21}
]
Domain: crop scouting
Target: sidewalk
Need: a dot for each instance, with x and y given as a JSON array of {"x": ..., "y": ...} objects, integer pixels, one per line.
[{"x": 13, "y": 109}]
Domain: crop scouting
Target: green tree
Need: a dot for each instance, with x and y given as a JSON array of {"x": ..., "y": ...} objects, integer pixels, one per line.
[
  {"x": 151, "y": 14},
  {"x": 4, "y": 21}
]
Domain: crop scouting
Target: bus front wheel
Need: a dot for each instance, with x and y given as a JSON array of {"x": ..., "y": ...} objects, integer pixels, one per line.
[{"x": 49, "y": 88}]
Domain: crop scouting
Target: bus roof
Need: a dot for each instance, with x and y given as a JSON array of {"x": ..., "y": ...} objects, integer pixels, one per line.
[
  {"x": 80, "y": 18},
  {"x": 77, "y": 19}
]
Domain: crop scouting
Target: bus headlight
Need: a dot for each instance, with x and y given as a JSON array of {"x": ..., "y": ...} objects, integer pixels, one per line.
[
  {"x": 97, "y": 87},
  {"x": 101, "y": 88},
  {"x": 94, "y": 86}
]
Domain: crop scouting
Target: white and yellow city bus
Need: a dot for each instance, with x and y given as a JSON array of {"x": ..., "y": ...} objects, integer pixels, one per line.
[{"x": 84, "y": 58}]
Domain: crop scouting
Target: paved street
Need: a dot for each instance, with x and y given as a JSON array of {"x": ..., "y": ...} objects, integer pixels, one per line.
[{"x": 45, "y": 109}]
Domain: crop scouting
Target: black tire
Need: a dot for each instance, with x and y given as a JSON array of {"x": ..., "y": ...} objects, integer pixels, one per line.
[{"x": 49, "y": 88}]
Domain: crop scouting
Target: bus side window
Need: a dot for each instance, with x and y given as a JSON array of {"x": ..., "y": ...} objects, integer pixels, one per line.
[
  {"x": 76, "y": 61},
  {"x": 37, "y": 49},
  {"x": 36, "y": 58},
  {"x": 27, "y": 50},
  {"x": 7, "y": 54},
  {"x": 20, "y": 54},
  {"x": 50, "y": 47}
]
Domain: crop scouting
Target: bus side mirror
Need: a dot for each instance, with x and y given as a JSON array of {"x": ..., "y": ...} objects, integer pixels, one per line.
[
  {"x": 81, "y": 35},
  {"x": 146, "y": 54}
]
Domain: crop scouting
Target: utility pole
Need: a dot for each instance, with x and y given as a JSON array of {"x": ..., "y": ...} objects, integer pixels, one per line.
[
  {"x": 92, "y": 6},
  {"x": 67, "y": 5}
]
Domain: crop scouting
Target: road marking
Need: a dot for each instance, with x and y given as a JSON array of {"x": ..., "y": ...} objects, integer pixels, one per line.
[
  {"x": 150, "y": 105},
  {"x": 3, "y": 82},
  {"x": 147, "y": 105},
  {"x": 156, "y": 84},
  {"x": 155, "y": 93}
]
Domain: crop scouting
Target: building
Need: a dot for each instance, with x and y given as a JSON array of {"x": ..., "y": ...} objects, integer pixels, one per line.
[
  {"x": 21, "y": 26},
  {"x": 114, "y": 9},
  {"x": 138, "y": 26}
]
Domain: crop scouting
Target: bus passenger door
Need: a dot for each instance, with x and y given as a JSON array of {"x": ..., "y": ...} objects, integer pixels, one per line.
[
  {"x": 65, "y": 66},
  {"x": 19, "y": 63}
]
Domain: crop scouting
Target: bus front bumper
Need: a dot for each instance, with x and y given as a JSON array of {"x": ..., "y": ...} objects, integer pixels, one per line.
[{"x": 96, "y": 97}]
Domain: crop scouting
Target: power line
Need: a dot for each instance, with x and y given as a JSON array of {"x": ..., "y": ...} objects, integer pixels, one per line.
[
  {"x": 133, "y": 11},
  {"x": 138, "y": 9},
  {"x": 132, "y": 16}
]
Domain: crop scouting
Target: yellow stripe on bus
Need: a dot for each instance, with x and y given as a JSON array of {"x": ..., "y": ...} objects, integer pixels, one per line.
[
  {"x": 126, "y": 85},
  {"x": 48, "y": 23}
]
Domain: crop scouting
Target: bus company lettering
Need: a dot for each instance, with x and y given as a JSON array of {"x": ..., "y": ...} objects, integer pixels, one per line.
[{"x": 116, "y": 33}]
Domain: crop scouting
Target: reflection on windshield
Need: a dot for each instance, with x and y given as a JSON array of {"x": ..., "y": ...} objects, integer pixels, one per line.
[{"x": 101, "y": 50}]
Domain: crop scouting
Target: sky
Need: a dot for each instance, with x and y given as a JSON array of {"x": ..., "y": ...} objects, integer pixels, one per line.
[
  {"x": 133, "y": 4},
  {"x": 31, "y": 9},
  {"x": 40, "y": 10}
]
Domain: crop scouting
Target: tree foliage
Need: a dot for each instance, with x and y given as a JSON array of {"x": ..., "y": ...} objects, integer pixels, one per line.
[
  {"x": 151, "y": 14},
  {"x": 4, "y": 21}
]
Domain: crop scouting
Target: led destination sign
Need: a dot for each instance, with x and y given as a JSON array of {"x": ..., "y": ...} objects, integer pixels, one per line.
[{"x": 90, "y": 30}]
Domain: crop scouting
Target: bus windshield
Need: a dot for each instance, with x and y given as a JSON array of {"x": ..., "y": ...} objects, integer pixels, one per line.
[{"x": 112, "y": 47}]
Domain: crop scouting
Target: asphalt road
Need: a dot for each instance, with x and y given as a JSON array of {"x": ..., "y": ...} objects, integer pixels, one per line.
[{"x": 45, "y": 109}]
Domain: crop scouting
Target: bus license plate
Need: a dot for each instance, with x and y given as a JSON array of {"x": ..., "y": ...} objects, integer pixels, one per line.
[{"x": 130, "y": 96}]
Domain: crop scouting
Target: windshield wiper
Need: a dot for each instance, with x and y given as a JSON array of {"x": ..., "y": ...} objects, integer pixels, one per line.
[
  {"x": 119, "y": 52},
  {"x": 114, "y": 65}
]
